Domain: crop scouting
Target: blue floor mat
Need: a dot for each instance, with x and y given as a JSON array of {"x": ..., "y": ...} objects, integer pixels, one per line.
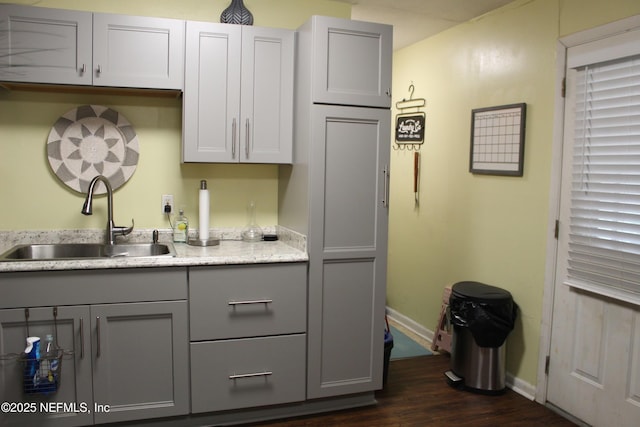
[{"x": 404, "y": 347}]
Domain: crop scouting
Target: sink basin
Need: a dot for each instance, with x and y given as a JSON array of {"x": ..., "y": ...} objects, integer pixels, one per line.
[{"x": 67, "y": 251}]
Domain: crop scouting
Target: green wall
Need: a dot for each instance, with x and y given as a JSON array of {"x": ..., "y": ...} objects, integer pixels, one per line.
[
  {"x": 34, "y": 199},
  {"x": 489, "y": 229},
  {"x": 467, "y": 227}
]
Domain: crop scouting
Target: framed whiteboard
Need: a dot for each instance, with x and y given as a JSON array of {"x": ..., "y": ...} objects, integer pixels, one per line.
[{"x": 497, "y": 140}]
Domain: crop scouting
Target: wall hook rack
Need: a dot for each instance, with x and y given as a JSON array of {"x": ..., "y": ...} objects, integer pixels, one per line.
[{"x": 410, "y": 103}]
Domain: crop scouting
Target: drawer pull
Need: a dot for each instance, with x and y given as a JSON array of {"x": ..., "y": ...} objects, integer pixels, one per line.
[
  {"x": 255, "y": 374},
  {"x": 255, "y": 301},
  {"x": 81, "y": 338},
  {"x": 98, "y": 336}
]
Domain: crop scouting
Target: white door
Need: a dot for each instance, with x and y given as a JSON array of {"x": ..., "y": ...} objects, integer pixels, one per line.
[{"x": 594, "y": 365}]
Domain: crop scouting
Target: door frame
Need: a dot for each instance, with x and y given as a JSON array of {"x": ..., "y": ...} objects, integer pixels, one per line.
[{"x": 564, "y": 43}]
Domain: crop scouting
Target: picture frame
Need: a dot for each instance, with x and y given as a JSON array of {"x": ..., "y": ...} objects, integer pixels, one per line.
[{"x": 497, "y": 140}]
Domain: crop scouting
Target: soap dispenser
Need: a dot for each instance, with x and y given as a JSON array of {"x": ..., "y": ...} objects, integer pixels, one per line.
[{"x": 181, "y": 228}]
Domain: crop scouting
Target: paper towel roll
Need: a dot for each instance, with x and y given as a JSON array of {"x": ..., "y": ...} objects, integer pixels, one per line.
[{"x": 203, "y": 226}]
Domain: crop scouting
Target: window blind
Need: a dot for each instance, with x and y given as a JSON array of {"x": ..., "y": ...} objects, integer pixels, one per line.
[{"x": 604, "y": 234}]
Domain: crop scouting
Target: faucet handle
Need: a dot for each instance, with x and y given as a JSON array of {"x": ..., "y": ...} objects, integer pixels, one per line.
[{"x": 123, "y": 231}]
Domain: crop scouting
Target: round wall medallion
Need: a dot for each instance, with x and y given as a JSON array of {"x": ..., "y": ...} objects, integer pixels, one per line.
[{"x": 92, "y": 140}]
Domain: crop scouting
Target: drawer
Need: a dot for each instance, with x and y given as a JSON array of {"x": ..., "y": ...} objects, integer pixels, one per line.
[
  {"x": 247, "y": 301},
  {"x": 78, "y": 287},
  {"x": 250, "y": 372}
]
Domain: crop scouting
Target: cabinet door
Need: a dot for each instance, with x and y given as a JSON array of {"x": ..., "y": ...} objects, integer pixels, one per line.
[
  {"x": 42, "y": 45},
  {"x": 211, "y": 102},
  {"x": 352, "y": 62},
  {"x": 266, "y": 123},
  {"x": 347, "y": 249},
  {"x": 140, "y": 360},
  {"x": 75, "y": 381},
  {"x": 134, "y": 51}
]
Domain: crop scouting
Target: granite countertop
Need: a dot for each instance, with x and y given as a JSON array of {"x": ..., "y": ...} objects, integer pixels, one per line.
[{"x": 291, "y": 247}]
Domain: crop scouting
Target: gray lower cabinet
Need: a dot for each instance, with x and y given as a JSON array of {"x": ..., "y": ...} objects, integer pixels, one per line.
[
  {"x": 76, "y": 385},
  {"x": 124, "y": 360},
  {"x": 140, "y": 360},
  {"x": 248, "y": 341},
  {"x": 247, "y": 301},
  {"x": 249, "y": 372}
]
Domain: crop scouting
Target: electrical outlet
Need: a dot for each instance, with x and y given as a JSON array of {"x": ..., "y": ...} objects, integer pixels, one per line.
[{"x": 167, "y": 200}]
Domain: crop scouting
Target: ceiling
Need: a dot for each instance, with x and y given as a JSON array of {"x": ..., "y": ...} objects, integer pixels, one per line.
[{"x": 415, "y": 20}]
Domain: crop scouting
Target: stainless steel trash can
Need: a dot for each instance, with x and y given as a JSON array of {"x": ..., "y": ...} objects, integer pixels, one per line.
[{"x": 482, "y": 318}]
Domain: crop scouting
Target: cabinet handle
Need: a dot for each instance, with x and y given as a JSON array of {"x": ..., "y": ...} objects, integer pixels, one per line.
[
  {"x": 246, "y": 142},
  {"x": 98, "y": 336},
  {"x": 81, "y": 338},
  {"x": 233, "y": 139},
  {"x": 255, "y": 301},
  {"x": 255, "y": 374},
  {"x": 385, "y": 195}
]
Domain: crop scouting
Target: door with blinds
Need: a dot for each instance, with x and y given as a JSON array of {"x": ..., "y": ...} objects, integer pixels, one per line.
[{"x": 594, "y": 364}]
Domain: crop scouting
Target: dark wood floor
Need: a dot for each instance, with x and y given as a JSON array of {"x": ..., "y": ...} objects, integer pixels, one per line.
[{"x": 416, "y": 394}]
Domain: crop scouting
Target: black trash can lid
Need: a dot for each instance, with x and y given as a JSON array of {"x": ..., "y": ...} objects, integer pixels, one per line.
[{"x": 479, "y": 292}]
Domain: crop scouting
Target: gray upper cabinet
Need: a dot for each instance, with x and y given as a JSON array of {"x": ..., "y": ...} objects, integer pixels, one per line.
[
  {"x": 238, "y": 95},
  {"x": 136, "y": 51},
  {"x": 351, "y": 62},
  {"x": 41, "y": 45}
]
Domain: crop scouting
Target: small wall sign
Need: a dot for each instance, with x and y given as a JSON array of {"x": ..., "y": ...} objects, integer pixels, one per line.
[{"x": 410, "y": 128}]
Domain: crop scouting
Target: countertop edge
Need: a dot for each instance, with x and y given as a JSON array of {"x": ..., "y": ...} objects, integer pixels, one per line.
[{"x": 226, "y": 253}]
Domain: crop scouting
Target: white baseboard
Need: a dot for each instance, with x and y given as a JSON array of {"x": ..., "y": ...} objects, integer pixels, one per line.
[
  {"x": 410, "y": 324},
  {"x": 521, "y": 387},
  {"x": 518, "y": 385}
]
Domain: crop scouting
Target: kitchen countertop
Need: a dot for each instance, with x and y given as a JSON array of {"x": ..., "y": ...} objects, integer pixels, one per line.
[{"x": 291, "y": 247}]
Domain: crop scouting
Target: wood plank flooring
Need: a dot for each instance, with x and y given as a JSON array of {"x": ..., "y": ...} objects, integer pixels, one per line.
[{"x": 416, "y": 394}]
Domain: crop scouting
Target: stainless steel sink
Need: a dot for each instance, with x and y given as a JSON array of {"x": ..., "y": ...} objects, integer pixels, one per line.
[{"x": 67, "y": 251}]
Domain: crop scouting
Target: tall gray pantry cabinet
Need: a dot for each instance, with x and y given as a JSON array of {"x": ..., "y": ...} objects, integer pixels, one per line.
[{"x": 336, "y": 192}]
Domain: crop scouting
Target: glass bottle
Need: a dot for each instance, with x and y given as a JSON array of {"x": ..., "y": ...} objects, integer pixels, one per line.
[
  {"x": 252, "y": 232},
  {"x": 181, "y": 228}
]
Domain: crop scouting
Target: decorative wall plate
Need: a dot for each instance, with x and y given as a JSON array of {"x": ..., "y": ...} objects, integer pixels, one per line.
[{"x": 92, "y": 140}]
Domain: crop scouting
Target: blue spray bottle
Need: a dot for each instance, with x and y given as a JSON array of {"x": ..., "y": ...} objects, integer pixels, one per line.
[{"x": 31, "y": 368}]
